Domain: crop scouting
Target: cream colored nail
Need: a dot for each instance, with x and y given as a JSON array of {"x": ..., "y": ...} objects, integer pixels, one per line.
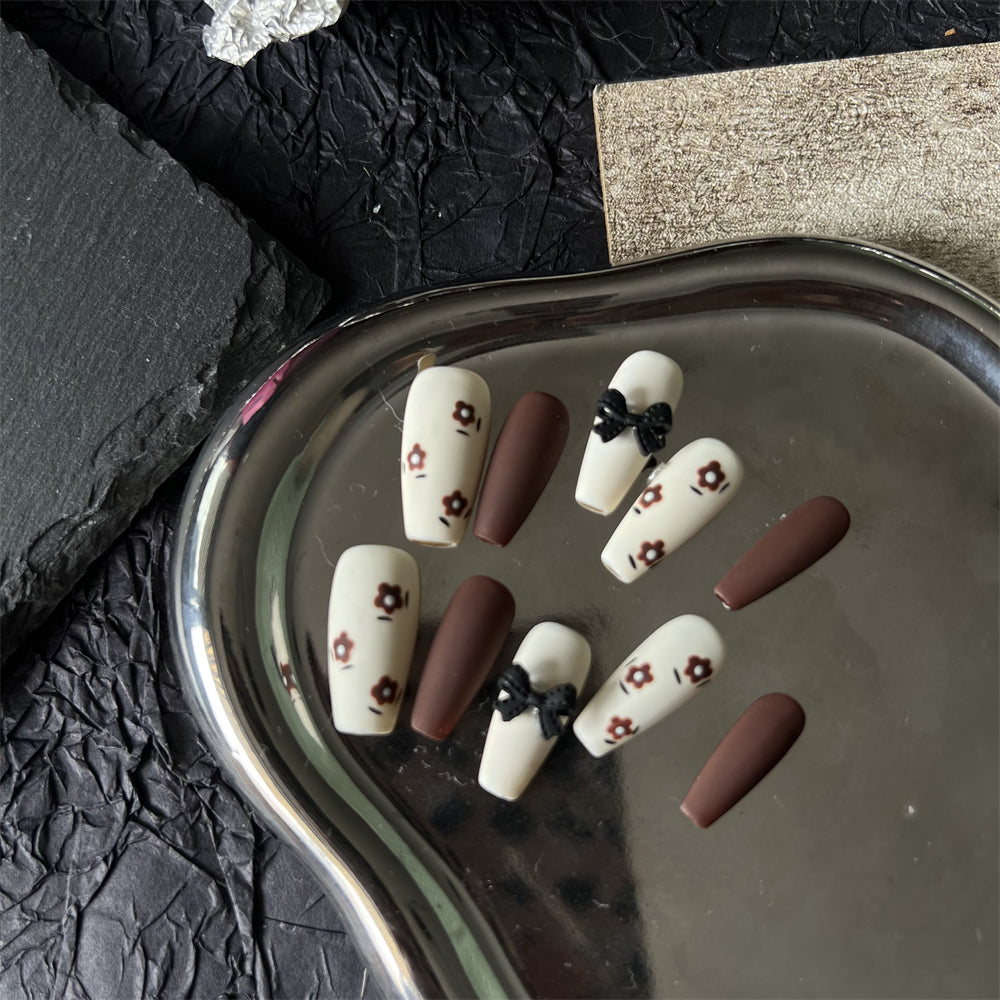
[
  {"x": 635, "y": 424},
  {"x": 664, "y": 673},
  {"x": 537, "y": 694},
  {"x": 371, "y": 632},
  {"x": 682, "y": 496},
  {"x": 446, "y": 429}
]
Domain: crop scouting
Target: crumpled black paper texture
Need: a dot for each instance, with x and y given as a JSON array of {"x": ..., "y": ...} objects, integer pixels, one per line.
[
  {"x": 130, "y": 867},
  {"x": 407, "y": 145},
  {"x": 430, "y": 143}
]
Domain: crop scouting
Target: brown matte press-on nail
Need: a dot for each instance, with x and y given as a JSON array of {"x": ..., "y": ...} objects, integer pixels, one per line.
[
  {"x": 524, "y": 457},
  {"x": 465, "y": 647},
  {"x": 761, "y": 736},
  {"x": 791, "y": 546}
]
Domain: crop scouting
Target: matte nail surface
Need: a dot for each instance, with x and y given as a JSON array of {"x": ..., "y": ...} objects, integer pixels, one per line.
[
  {"x": 537, "y": 694},
  {"x": 792, "y": 545},
  {"x": 664, "y": 673},
  {"x": 761, "y": 736},
  {"x": 467, "y": 642},
  {"x": 682, "y": 496},
  {"x": 371, "y": 631},
  {"x": 644, "y": 380},
  {"x": 524, "y": 457},
  {"x": 446, "y": 430}
]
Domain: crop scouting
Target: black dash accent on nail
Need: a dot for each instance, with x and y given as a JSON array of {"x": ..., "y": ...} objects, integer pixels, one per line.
[
  {"x": 632, "y": 561},
  {"x": 695, "y": 488},
  {"x": 610, "y": 743},
  {"x": 468, "y": 514},
  {"x": 446, "y": 523},
  {"x": 725, "y": 487},
  {"x": 622, "y": 686},
  {"x": 636, "y": 509},
  {"x": 375, "y": 710},
  {"x": 347, "y": 666},
  {"x": 406, "y": 599},
  {"x": 463, "y": 433},
  {"x": 423, "y": 475},
  {"x": 384, "y": 618},
  {"x": 479, "y": 424},
  {"x": 634, "y": 731},
  {"x": 701, "y": 684},
  {"x": 678, "y": 676}
]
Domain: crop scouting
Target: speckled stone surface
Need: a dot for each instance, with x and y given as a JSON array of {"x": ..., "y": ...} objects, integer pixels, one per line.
[
  {"x": 135, "y": 304},
  {"x": 895, "y": 149}
]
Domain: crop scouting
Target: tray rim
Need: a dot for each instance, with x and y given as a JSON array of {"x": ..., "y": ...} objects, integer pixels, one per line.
[{"x": 378, "y": 933}]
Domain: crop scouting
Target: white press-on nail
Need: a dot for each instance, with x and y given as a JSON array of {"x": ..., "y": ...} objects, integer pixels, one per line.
[
  {"x": 634, "y": 424},
  {"x": 371, "y": 632},
  {"x": 681, "y": 497},
  {"x": 537, "y": 694},
  {"x": 446, "y": 429},
  {"x": 661, "y": 675}
]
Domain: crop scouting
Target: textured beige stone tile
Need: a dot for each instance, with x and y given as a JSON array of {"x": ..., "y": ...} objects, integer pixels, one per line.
[{"x": 901, "y": 150}]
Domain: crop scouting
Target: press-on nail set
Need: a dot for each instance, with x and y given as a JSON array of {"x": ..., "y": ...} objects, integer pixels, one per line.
[{"x": 375, "y": 593}]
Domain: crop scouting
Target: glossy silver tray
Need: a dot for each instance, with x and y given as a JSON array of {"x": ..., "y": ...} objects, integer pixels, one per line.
[{"x": 866, "y": 864}]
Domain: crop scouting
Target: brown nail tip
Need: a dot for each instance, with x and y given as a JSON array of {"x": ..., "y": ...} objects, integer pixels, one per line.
[
  {"x": 792, "y": 545},
  {"x": 468, "y": 640},
  {"x": 525, "y": 455},
  {"x": 755, "y": 744}
]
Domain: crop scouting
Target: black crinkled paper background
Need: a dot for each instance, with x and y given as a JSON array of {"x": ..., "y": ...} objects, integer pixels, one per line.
[{"x": 405, "y": 146}]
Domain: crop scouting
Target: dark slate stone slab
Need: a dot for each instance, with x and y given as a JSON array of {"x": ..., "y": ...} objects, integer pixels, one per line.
[{"x": 135, "y": 304}]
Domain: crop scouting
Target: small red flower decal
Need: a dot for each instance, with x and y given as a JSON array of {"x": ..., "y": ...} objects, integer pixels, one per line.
[
  {"x": 650, "y": 552},
  {"x": 384, "y": 692},
  {"x": 620, "y": 728},
  {"x": 415, "y": 459},
  {"x": 454, "y": 504},
  {"x": 389, "y": 598},
  {"x": 650, "y": 496},
  {"x": 698, "y": 669},
  {"x": 342, "y": 647},
  {"x": 637, "y": 676},
  {"x": 464, "y": 413},
  {"x": 711, "y": 476}
]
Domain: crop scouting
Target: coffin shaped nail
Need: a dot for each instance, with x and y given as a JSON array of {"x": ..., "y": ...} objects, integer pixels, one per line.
[
  {"x": 631, "y": 422},
  {"x": 465, "y": 647},
  {"x": 537, "y": 695},
  {"x": 446, "y": 429},
  {"x": 524, "y": 457},
  {"x": 371, "y": 631},
  {"x": 663, "y": 674},
  {"x": 681, "y": 497},
  {"x": 761, "y": 736},
  {"x": 792, "y": 545}
]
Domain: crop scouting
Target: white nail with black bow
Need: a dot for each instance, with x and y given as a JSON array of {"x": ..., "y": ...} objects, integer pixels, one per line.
[
  {"x": 537, "y": 696},
  {"x": 631, "y": 421}
]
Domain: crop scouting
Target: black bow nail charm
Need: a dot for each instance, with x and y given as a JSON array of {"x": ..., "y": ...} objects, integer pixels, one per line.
[
  {"x": 553, "y": 705},
  {"x": 651, "y": 426},
  {"x": 556, "y": 660}
]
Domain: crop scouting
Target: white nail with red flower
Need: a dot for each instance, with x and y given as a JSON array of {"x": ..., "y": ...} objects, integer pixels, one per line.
[
  {"x": 446, "y": 429},
  {"x": 681, "y": 497},
  {"x": 552, "y": 657},
  {"x": 371, "y": 631},
  {"x": 645, "y": 379},
  {"x": 660, "y": 676}
]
